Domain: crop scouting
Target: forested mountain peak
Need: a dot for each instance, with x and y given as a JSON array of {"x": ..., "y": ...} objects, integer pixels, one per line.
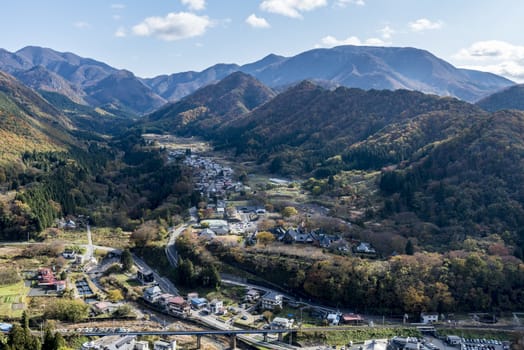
[
  {"x": 122, "y": 90},
  {"x": 308, "y": 124},
  {"x": 212, "y": 105}
]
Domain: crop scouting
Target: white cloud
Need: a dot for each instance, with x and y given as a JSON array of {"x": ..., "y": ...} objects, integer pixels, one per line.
[
  {"x": 494, "y": 56},
  {"x": 291, "y": 8},
  {"x": 81, "y": 25},
  {"x": 491, "y": 49},
  {"x": 121, "y": 32},
  {"x": 509, "y": 69},
  {"x": 118, "y": 6},
  {"x": 387, "y": 32},
  {"x": 423, "y": 24},
  {"x": 331, "y": 41},
  {"x": 374, "y": 42},
  {"x": 195, "y": 4},
  {"x": 257, "y": 22},
  {"x": 174, "y": 26},
  {"x": 344, "y": 3}
]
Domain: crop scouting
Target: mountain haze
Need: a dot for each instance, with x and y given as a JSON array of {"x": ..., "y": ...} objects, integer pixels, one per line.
[
  {"x": 77, "y": 70},
  {"x": 83, "y": 80},
  {"x": 122, "y": 90},
  {"x": 355, "y": 66},
  {"x": 176, "y": 86},
  {"x": 40, "y": 78},
  {"x": 88, "y": 81}
]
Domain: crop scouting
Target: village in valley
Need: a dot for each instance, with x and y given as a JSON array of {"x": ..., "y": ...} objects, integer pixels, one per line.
[{"x": 121, "y": 302}]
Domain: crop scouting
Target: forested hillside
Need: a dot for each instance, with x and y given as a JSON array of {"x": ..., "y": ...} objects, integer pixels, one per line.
[
  {"x": 300, "y": 129},
  {"x": 28, "y": 122},
  {"x": 471, "y": 184},
  {"x": 50, "y": 170},
  {"x": 509, "y": 98},
  {"x": 210, "y": 107}
]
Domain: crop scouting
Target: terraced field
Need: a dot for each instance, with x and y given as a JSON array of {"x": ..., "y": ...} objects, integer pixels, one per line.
[{"x": 12, "y": 300}]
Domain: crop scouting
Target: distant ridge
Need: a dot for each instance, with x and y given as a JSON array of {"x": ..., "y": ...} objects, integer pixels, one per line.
[
  {"x": 88, "y": 81},
  {"x": 363, "y": 67}
]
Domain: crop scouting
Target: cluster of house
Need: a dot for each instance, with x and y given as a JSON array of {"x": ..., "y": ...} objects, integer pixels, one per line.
[
  {"x": 336, "y": 318},
  {"x": 318, "y": 238},
  {"x": 126, "y": 342},
  {"x": 70, "y": 254},
  {"x": 212, "y": 179},
  {"x": 182, "y": 307},
  {"x": 214, "y": 227},
  {"x": 173, "y": 305},
  {"x": 46, "y": 278}
]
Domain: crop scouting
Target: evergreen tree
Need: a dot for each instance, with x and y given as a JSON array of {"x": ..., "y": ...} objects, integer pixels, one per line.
[
  {"x": 16, "y": 339},
  {"x": 49, "y": 340},
  {"x": 410, "y": 250},
  {"x": 58, "y": 342},
  {"x": 127, "y": 260}
]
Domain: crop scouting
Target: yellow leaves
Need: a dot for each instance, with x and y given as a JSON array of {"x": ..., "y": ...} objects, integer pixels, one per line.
[
  {"x": 414, "y": 299},
  {"x": 265, "y": 238},
  {"x": 115, "y": 295},
  {"x": 192, "y": 114}
]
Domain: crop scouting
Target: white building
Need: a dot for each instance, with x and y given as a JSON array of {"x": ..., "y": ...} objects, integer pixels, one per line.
[
  {"x": 164, "y": 345},
  {"x": 333, "y": 319},
  {"x": 428, "y": 318},
  {"x": 281, "y": 322},
  {"x": 272, "y": 301},
  {"x": 216, "y": 306},
  {"x": 142, "y": 345}
]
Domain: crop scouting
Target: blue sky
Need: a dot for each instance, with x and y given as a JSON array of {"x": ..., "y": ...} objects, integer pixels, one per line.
[{"x": 156, "y": 37}]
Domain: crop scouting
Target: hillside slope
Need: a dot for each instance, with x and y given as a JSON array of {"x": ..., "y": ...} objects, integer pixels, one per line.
[
  {"x": 211, "y": 106},
  {"x": 122, "y": 90},
  {"x": 39, "y": 78},
  {"x": 301, "y": 128},
  {"x": 470, "y": 184},
  {"x": 28, "y": 122},
  {"x": 510, "y": 98}
]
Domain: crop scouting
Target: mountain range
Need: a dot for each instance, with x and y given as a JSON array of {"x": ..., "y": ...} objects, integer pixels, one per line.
[{"x": 87, "y": 81}]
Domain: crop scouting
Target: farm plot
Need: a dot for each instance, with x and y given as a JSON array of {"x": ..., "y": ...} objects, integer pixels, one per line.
[{"x": 12, "y": 300}]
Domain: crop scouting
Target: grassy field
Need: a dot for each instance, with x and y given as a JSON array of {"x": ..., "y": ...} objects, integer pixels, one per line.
[
  {"x": 109, "y": 237},
  {"x": 356, "y": 335},
  {"x": 78, "y": 236},
  {"x": 12, "y": 300}
]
